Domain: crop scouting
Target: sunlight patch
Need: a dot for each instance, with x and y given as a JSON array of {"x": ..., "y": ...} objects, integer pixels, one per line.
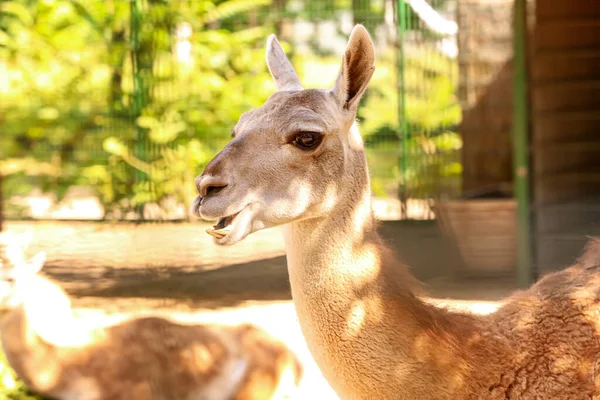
[{"x": 356, "y": 318}]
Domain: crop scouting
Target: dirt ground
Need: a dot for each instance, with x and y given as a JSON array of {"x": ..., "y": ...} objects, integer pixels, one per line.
[{"x": 115, "y": 274}]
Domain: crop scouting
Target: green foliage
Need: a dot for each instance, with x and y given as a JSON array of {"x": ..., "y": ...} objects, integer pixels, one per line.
[
  {"x": 11, "y": 387},
  {"x": 81, "y": 101},
  {"x": 84, "y": 100},
  {"x": 431, "y": 144},
  {"x": 52, "y": 93}
]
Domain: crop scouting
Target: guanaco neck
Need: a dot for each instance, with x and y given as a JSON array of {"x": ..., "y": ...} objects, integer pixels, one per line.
[
  {"x": 362, "y": 322},
  {"x": 32, "y": 358}
]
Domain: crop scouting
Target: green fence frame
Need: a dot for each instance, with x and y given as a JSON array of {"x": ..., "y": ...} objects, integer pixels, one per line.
[
  {"x": 399, "y": 142},
  {"x": 521, "y": 146}
]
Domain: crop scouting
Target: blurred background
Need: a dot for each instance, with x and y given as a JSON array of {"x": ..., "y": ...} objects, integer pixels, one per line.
[{"x": 480, "y": 127}]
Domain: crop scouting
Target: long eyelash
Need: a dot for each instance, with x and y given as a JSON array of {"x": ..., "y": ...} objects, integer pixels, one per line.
[{"x": 293, "y": 137}]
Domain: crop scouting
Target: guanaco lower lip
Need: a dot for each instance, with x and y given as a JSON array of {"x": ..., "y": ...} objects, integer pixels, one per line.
[
  {"x": 234, "y": 227},
  {"x": 221, "y": 229}
]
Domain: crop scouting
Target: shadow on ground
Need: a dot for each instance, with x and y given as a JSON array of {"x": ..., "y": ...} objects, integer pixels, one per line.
[
  {"x": 228, "y": 277},
  {"x": 227, "y": 286}
]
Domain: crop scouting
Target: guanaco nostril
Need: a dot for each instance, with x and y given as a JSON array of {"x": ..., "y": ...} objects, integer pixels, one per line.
[
  {"x": 214, "y": 189},
  {"x": 207, "y": 184}
]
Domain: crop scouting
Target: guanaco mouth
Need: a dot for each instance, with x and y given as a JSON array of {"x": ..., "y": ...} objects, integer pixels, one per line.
[{"x": 220, "y": 230}]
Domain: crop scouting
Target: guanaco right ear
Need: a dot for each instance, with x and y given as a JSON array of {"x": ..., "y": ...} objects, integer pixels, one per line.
[
  {"x": 281, "y": 69},
  {"x": 36, "y": 263},
  {"x": 357, "y": 69}
]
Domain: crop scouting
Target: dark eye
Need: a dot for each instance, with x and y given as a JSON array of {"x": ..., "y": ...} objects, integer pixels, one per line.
[{"x": 307, "y": 140}]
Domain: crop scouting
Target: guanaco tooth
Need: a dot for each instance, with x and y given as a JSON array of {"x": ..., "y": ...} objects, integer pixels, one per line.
[
  {"x": 214, "y": 234},
  {"x": 218, "y": 233}
]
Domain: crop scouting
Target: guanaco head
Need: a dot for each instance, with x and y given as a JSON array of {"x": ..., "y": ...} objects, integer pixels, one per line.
[
  {"x": 15, "y": 270},
  {"x": 290, "y": 159}
]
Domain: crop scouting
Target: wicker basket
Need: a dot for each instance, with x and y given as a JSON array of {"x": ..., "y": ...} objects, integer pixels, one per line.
[{"x": 484, "y": 232}]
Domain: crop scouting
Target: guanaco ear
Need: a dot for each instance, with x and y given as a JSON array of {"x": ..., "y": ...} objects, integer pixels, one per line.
[
  {"x": 281, "y": 69},
  {"x": 358, "y": 65},
  {"x": 14, "y": 246},
  {"x": 30, "y": 267},
  {"x": 36, "y": 263}
]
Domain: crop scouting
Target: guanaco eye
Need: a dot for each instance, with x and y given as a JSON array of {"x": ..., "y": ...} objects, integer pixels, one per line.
[{"x": 307, "y": 140}]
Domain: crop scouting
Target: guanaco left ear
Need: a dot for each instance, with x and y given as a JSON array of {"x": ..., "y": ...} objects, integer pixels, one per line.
[
  {"x": 358, "y": 65},
  {"x": 36, "y": 263},
  {"x": 281, "y": 69}
]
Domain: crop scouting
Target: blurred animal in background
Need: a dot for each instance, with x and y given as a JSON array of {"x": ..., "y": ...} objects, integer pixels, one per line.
[{"x": 147, "y": 358}]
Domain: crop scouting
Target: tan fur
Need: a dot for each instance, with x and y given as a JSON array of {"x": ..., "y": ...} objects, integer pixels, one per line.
[
  {"x": 591, "y": 254},
  {"x": 262, "y": 379},
  {"x": 372, "y": 337},
  {"x": 141, "y": 359}
]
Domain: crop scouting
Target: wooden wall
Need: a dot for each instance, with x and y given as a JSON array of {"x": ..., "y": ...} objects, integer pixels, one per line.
[
  {"x": 564, "y": 90},
  {"x": 485, "y": 91},
  {"x": 565, "y": 137}
]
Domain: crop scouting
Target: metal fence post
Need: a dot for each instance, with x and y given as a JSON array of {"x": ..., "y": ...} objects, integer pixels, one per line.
[
  {"x": 402, "y": 121},
  {"x": 521, "y": 146}
]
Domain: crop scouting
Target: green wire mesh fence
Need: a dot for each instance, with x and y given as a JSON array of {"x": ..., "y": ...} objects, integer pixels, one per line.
[{"x": 110, "y": 108}]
